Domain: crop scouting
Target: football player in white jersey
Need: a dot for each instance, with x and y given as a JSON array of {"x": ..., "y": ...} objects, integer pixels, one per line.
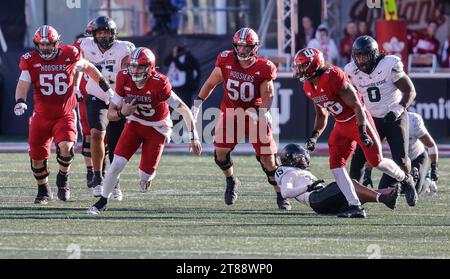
[
  {"x": 298, "y": 183},
  {"x": 419, "y": 138},
  {"x": 387, "y": 92},
  {"x": 110, "y": 56}
]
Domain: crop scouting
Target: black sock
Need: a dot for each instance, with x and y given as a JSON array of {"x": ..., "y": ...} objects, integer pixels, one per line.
[
  {"x": 97, "y": 174},
  {"x": 102, "y": 202},
  {"x": 230, "y": 177},
  {"x": 89, "y": 169},
  {"x": 43, "y": 189}
]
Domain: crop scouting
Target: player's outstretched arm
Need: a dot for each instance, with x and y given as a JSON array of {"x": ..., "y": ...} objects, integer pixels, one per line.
[
  {"x": 21, "y": 96},
  {"x": 88, "y": 68},
  {"x": 179, "y": 106},
  {"x": 349, "y": 96},
  {"x": 429, "y": 142},
  {"x": 320, "y": 123},
  {"x": 214, "y": 79}
]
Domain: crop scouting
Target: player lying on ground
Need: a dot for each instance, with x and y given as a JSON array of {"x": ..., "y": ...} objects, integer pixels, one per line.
[
  {"x": 143, "y": 97},
  {"x": 298, "y": 183},
  {"x": 51, "y": 69},
  {"x": 419, "y": 138},
  {"x": 332, "y": 93}
]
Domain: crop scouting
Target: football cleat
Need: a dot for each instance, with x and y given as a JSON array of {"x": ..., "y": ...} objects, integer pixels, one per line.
[
  {"x": 62, "y": 182},
  {"x": 283, "y": 203},
  {"x": 145, "y": 185},
  {"x": 97, "y": 191},
  {"x": 353, "y": 211},
  {"x": 231, "y": 191},
  {"x": 390, "y": 200},
  {"x": 44, "y": 195},
  {"x": 116, "y": 194},
  {"x": 407, "y": 185},
  {"x": 98, "y": 207}
]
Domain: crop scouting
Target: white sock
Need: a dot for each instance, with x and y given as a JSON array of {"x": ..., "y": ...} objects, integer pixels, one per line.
[
  {"x": 345, "y": 184},
  {"x": 145, "y": 176},
  {"x": 390, "y": 168},
  {"x": 378, "y": 197},
  {"x": 113, "y": 174}
]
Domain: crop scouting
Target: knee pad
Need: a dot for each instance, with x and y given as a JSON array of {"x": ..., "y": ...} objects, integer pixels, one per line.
[
  {"x": 64, "y": 161},
  {"x": 224, "y": 165},
  {"x": 86, "y": 145},
  {"x": 267, "y": 172},
  {"x": 37, "y": 172}
]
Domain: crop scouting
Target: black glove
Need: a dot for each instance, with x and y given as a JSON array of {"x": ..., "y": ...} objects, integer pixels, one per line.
[
  {"x": 434, "y": 172},
  {"x": 310, "y": 143},
  {"x": 390, "y": 117},
  {"x": 317, "y": 185},
  {"x": 367, "y": 141}
]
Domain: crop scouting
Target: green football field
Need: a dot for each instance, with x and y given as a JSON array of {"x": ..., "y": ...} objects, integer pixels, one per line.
[{"x": 184, "y": 216}]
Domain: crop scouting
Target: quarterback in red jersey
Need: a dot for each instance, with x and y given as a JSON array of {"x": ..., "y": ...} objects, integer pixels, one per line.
[
  {"x": 248, "y": 83},
  {"x": 331, "y": 91},
  {"x": 143, "y": 97},
  {"x": 51, "y": 69}
]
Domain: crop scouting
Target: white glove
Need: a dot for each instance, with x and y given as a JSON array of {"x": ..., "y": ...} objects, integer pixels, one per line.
[
  {"x": 195, "y": 110},
  {"x": 108, "y": 96},
  {"x": 20, "y": 108}
]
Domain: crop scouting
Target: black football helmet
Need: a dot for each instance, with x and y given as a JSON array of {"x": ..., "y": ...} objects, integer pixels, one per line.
[
  {"x": 293, "y": 155},
  {"x": 365, "y": 53},
  {"x": 104, "y": 23}
]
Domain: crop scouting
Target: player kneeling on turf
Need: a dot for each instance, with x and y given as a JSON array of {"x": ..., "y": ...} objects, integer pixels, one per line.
[
  {"x": 143, "y": 97},
  {"x": 298, "y": 183}
]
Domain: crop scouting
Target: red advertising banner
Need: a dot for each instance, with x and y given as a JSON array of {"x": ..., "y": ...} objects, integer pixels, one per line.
[{"x": 391, "y": 37}]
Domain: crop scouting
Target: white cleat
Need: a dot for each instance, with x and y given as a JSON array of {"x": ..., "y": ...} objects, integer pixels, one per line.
[
  {"x": 93, "y": 211},
  {"x": 145, "y": 185},
  {"x": 116, "y": 195},
  {"x": 97, "y": 191}
]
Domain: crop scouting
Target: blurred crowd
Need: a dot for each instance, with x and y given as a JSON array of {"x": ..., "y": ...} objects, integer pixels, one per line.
[{"x": 319, "y": 37}]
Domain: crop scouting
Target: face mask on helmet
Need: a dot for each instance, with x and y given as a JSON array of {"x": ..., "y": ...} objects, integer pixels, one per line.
[
  {"x": 47, "y": 51},
  {"x": 365, "y": 62},
  {"x": 243, "y": 51},
  {"x": 138, "y": 72},
  {"x": 292, "y": 155},
  {"x": 301, "y": 71},
  {"x": 104, "y": 38}
]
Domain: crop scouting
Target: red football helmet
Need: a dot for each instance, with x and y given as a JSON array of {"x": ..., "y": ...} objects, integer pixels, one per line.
[
  {"x": 142, "y": 64},
  {"x": 90, "y": 27},
  {"x": 46, "y": 35},
  {"x": 307, "y": 62},
  {"x": 245, "y": 37}
]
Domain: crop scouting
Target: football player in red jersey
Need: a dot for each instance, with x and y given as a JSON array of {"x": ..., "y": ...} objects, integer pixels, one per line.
[
  {"x": 247, "y": 80},
  {"x": 331, "y": 91},
  {"x": 51, "y": 69},
  {"x": 80, "y": 91},
  {"x": 143, "y": 97}
]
